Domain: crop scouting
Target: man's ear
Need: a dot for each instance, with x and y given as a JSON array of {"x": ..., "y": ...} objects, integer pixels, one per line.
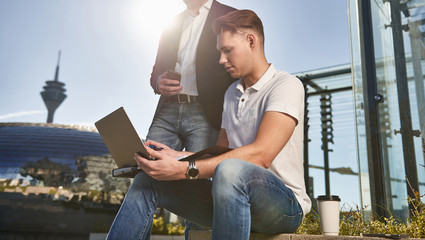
[{"x": 251, "y": 39}]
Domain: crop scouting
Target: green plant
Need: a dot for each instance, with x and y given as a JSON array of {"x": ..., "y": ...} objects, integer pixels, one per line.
[
  {"x": 310, "y": 224},
  {"x": 175, "y": 228},
  {"x": 388, "y": 226},
  {"x": 24, "y": 188},
  {"x": 416, "y": 226},
  {"x": 158, "y": 226},
  {"x": 353, "y": 223}
]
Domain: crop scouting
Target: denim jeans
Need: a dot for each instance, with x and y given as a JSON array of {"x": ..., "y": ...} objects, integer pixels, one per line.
[
  {"x": 182, "y": 126},
  {"x": 242, "y": 197}
]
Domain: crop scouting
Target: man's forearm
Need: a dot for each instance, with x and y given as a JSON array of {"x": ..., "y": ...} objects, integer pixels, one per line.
[
  {"x": 273, "y": 134},
  {"x": 250, "y": 153}
]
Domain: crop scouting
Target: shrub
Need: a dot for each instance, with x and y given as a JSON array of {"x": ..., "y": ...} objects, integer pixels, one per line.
[
  {"x": 310, "y": 224},
  {"x": 352, "y": 222},
  {"x": 160, "y": 228},
  {"x": 416, "y": 226},
  {"x": 175, "y": 228}
]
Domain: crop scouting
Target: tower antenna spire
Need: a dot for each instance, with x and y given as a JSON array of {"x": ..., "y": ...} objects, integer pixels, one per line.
[{"x": 57, "y": 67}]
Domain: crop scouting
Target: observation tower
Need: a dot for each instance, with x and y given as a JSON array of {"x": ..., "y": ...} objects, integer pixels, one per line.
[{"x": 53, "y": 94}]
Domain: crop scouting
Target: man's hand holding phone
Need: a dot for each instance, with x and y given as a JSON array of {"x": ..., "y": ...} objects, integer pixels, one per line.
[{"x": 168, "y": 83}]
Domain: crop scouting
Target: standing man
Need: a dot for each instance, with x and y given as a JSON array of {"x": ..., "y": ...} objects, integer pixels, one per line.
[
  {"x": 259, "y": 185},
  {"x": 188, "y": 115}
]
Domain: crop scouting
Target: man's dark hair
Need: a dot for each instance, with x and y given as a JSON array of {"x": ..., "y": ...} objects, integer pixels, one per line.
[{"x": 239, "y": 20}]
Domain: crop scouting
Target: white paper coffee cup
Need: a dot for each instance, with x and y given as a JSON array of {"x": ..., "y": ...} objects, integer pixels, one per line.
[{"x": 329, "y": 214}]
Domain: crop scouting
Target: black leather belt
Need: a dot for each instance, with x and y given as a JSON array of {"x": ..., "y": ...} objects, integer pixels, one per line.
[{"x": 182, "y": 98}]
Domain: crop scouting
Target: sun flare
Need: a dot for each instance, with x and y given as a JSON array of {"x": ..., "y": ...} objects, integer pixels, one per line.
[{"x": 151, "y": 17}]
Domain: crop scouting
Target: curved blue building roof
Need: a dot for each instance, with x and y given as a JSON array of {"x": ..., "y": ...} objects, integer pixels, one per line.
[{"x": 21, "y": 143}]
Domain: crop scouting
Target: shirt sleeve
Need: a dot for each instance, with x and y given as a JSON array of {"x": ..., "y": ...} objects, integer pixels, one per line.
[
  {"x": 287, "y": 96},
  {"x": 225, "y": 115}
]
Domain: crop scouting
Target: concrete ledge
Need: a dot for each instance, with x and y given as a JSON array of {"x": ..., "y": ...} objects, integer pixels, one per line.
[
  {"x": 102, "y": 236},
  {"x": 206, "y": 235}
]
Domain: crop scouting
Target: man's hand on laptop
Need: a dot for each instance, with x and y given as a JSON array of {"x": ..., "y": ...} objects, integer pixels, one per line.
[
  {"x": 165, "y": 149},
  {"x": 165, "y": 167}
]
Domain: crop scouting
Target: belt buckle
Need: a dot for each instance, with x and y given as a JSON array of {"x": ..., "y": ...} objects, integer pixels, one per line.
[{"x": 183, "y": 101}]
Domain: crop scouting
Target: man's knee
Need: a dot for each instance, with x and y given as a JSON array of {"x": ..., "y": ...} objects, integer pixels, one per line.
[
  {"x": 230, "y": 174},
  {"x": 226, "y": 167},
  {"x": 234, "y": 168}
]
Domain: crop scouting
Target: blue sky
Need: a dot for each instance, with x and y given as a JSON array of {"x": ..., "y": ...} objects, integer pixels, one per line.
[
  {"x": 108, "y": 49},
  {"x": 109, "y": 46}
]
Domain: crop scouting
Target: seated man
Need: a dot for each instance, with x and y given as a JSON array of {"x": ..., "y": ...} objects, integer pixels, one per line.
[{"x": 258, "y": 186}]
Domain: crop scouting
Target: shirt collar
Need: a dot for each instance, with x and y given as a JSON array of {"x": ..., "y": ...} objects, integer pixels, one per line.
[
  {"x": 208, "y": 4},
  {"x": 205, "y": 8},
  {"x": 267, "y": 76}
]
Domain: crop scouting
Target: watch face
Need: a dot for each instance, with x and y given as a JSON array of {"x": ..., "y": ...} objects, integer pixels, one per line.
[{"x": 193, "y": 172}]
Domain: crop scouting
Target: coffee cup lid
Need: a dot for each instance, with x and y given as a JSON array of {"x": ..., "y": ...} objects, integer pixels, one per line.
[{"x": 328, "y": 198}]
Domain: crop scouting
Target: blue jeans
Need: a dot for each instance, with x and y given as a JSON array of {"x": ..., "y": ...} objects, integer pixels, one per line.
[
  {"x": 242, "y": 197},
  {"x": 182, "y": 126}
]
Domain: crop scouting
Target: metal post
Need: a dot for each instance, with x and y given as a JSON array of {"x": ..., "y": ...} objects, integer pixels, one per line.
[
  {"x": 327, "y": 135},
  {"x": 403, "y": 99},
  {"x": 326, "y": 165},
  {"x": 306, "y": 141},
  {"x": 417, "y": 44}
]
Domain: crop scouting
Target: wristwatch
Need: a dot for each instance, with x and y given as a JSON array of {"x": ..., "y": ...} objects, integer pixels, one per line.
[{"x": 192, "y": 171}]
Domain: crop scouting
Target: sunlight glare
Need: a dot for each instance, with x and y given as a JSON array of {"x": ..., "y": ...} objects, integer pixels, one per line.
[{"x": 149, "y": 18}]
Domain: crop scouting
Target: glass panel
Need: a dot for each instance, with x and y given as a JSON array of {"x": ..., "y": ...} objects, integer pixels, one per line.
[
  {"x": 392, "y": 148},
  {"x": 391, "y": 142},
  {"x": 416, "y": 68},
  {"x": 356, "y": 68}
]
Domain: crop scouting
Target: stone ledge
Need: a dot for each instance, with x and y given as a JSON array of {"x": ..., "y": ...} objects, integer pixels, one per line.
[
  {"x": 206, "y": 235},
  {"x": 102, "y": 236}
]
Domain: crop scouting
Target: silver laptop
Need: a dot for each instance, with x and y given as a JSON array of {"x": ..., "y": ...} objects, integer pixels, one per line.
[
  {"x": 123, "y": 142},
  {"x": 121, "y": 138}
]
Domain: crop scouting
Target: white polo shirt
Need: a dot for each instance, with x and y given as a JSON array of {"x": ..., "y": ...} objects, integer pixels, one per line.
[{"x": 242, "y": 114}]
